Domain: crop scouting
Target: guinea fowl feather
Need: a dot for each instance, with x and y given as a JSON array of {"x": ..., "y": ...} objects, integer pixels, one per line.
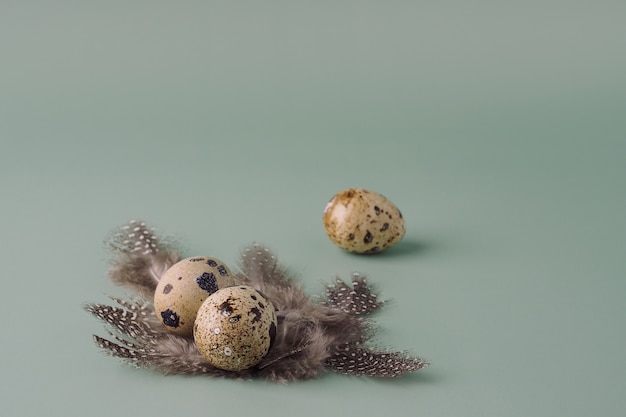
[
  {"x": 312, "y": 337},
  {"x": 139, "y": 257}
]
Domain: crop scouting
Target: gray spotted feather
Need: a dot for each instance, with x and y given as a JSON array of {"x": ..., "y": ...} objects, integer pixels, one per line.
[{"x": 139, "y": 257}]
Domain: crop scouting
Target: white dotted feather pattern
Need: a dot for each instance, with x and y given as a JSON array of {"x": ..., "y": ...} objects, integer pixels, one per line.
[
  {"x": 135, "y": 237},
  {"x": 139, "y": 258},
  {"x": 356, "y": 300}
]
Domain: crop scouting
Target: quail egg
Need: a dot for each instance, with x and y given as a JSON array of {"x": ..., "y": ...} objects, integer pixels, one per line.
[
  {"x": 363, "y": 221},
  {"x": 183, "y": 288},
  {"x": 235, "y": 328}
]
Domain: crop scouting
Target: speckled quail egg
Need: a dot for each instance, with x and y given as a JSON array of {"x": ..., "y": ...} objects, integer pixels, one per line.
[
  {"x": 183, "y": 288},
  {"x": 363, "y": 221},
  {"x": 235, "y": 328}
]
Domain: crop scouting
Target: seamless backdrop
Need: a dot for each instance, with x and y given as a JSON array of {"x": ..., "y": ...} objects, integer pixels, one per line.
[{"x": 498, "y": 128}]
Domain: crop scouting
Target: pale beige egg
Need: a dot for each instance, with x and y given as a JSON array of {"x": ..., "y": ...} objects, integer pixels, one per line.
[
  {"x": 184, "y": 287},
  {"x": 363, "y": 221},
  {"x": 235, "y": 328}
]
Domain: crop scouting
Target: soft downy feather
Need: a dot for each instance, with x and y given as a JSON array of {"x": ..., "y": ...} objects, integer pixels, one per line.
[{"x": 312, "y": 336}]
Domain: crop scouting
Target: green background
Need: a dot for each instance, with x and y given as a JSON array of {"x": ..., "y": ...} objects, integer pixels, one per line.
[{"x": 498, "y": 128}]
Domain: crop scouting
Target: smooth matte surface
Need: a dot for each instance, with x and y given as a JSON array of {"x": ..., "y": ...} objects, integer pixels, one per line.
[{"x": 498, "y": 128}]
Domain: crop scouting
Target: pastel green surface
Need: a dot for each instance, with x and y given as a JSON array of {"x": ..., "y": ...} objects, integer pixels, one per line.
[{"x": 498, "y": 128}]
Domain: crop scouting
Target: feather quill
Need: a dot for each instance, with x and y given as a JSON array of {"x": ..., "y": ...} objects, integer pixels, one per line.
[{"x": 313, "y": 337}]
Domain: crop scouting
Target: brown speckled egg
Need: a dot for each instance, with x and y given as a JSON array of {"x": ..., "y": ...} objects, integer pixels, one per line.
[
  {"x": 235, "y": 328},
  {"x": 363, "y": 221},
  {"x": 184, "y": 287}
]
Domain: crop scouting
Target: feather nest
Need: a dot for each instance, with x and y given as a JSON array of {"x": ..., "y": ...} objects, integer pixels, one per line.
[{"x": 312, "y": 337}]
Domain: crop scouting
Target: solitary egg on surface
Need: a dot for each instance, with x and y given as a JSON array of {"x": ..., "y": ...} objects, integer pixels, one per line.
[
  {"x": 235, "y": 328},
  {"x": 183, "y": 288},
  {"x": 363, "y": 221}
]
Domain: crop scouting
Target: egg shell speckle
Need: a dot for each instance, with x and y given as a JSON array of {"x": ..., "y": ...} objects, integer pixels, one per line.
[
  {"x": 184, "y": 287},
  {"x": 363, "y": 221},
  {"x": 235, "y": 327}
]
